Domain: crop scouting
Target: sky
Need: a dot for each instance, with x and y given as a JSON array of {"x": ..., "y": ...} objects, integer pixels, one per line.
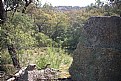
[{"x": 80, "y": 3}]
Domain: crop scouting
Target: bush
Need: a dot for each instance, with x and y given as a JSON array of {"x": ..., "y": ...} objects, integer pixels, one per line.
[
  {"x": 55, "y": 57},
  {"x": 44, "y": 40}
]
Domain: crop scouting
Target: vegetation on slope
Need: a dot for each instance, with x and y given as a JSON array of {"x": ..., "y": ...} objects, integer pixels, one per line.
[{"x": 48, "y": 31}]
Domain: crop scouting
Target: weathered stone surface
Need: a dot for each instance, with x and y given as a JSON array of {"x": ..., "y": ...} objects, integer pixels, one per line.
[
  {"x": 103, "y": 32},
  {"x": 30, "y": 73},
  {"x": 98, "y": 56}
]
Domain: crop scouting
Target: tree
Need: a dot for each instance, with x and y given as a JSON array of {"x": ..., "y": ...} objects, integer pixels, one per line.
[
  {"x": 50, "y": 22},
  {"x": 2, "y": 12},
  {"x": 5, "y": 6},
  {"x": 11, "y": 5},
  {"x": 17, "y": 34},
  {"x": 115, "y": 6},
  {"x": 60, "y": 26},
  {"x": 98, "y": 3}
]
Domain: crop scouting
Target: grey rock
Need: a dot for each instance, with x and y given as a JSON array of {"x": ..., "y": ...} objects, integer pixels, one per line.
[{"x": 98, "y": 56}]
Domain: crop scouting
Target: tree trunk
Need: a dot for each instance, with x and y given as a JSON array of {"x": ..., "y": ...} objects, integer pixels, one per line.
[
  {"x": 2, "y": 13},
  {"x": 11, "y": 48},
  {"x": 13, "y": 54}
]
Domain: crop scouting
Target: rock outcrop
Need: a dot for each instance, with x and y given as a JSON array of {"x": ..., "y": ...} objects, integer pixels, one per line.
[
  {"x": 30, "y": 73},
  {"x": 98, "y": 55}
]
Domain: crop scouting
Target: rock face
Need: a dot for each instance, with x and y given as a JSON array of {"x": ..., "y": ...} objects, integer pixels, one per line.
[
  {"x": 98, "y": 55},
  {"x": 30, "y": 73}
]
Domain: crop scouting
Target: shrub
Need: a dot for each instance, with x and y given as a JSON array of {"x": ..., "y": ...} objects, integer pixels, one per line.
[{"x": 55, "y": 57}]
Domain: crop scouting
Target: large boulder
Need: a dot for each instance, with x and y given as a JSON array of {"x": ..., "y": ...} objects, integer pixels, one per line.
[{"x": 98, "y": 55}]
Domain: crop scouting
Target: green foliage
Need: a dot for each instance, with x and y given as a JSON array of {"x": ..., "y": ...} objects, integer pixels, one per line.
[
  {"x": 44, "y": 40},
  {"x": 46, "y": 27},
  {"x": 19, "y": 31},
  {"x": 51, "y": 23},
  {"x": 5, "y": 57},
  {"x": 55, "y": 57}
]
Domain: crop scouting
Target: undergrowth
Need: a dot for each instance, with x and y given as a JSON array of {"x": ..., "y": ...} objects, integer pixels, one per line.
[{"x": 55, "y": 57}]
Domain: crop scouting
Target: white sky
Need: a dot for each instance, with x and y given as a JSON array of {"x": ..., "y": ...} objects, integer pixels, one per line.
[{"x": 81, "y": 3}]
